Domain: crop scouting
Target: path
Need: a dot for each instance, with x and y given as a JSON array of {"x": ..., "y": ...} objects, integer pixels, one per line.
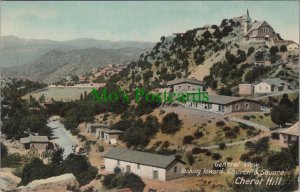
[
  {"x": 249, "y": 123},
  {"x": 62, "y": 137}
]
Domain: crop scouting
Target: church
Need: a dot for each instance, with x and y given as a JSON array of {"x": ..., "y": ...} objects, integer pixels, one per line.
[{"x": 258, "y": 30}]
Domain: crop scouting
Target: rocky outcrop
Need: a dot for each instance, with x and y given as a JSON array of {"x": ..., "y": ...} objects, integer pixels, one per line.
[
  {"x": 66, "y": 182},
  {"x": 8, "y": 181}
]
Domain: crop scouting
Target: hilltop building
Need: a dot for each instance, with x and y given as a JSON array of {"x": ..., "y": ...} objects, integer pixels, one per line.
[
  {"x": 262, "y": 33},
  {"x": 143, "y": 164}
]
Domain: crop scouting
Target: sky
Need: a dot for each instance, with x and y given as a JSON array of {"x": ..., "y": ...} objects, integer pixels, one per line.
[{"x": 136, "y": 21}]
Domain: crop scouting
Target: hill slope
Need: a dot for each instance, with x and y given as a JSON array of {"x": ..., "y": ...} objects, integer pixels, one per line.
[
  {"x": 55, "y": 64},
  {"x": 16, "y": 51},
  {"x": 219, "y": 55}
]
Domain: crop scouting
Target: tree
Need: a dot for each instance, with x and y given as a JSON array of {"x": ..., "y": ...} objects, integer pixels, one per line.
[
  {"x": 80, "y": 167},
  {"x": 42, "y": 98},
  {"x": 81, "y": 97},
  {"x": 250, "y": 51},
  {"x": 206, "y": 35},
  {"x": 188, "y": 139},
  {"x": 274, "y": 50},
  {"x": 281, "y": 114},
  {"x": 34, "y": 170},
  {"x": 170, "y": 123},
  {"x": 4, "y": 150}
]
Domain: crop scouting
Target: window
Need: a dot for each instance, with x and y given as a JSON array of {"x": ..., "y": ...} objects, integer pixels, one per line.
[
  {"x": 189, "y": 87},
  {"x": 267, "y": 88},
  {"x": 155, "y": 174},
  {"x": 259, "y": 87},
  {"x": 237, "y": 106},
  {"x": 138, "y": 166},
  {"x": 179, "y": 87},
  {"x": 175, "y": 169},
  {"x": 128, "y": 169},
  {"x": 118, "y": 162},
  {"x": 247, "y": 105}
]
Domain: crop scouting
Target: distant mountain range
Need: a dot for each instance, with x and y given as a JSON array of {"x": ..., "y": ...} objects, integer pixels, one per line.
[{"x": 47, "y": 60}]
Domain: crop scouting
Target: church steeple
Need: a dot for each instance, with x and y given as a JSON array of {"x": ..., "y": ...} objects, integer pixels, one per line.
[{"x": 247, "y": 23}]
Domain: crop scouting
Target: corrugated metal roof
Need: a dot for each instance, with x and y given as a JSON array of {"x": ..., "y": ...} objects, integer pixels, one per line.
[
  {"x": 276, "y": 81},
  {"x": 34, "y": 139},
  {"x": 144, "y": 158},
  {"x": 220, "y": 99}
]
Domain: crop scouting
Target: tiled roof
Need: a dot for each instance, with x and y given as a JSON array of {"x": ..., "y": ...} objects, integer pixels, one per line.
[
  {"x": 34, "y": 139},
  {"x": 143, "y": 158},
  {"x": 276, "y": 81},
  {"x": 185, "y": 80}
]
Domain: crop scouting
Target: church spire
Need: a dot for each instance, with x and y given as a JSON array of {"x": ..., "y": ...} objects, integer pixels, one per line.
[{"x": 248, "y": 19}]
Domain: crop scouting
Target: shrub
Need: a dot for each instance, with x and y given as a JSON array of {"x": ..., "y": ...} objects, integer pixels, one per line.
[
  {"x": 226, "y": 128},
  {"x": 245, "y": 157},
  {"x": 246, "y": 117},
  {"x": 196, "y": 150},
  {"x": 250, "y": 51},
  {"x": 165, "y": 144},
  {"x": 216, "y": 156},
  {"x": 229, "y": 159},
  {"x": 198, "y": 134},
  {"x": 275, "y": 136},
  {"x": 283, "y": 48},
  {"x": 249, "y": 145},
  {"x": 208, "y": 153},
  {"x": 257, "y": 159},
  {"x": 170, "y": 123},
  {"x": 188, "y": 139},
  {"x": 220, "y": 123},
  {"x": 222, "y": 146},
  {"x": 100, "y": 148},
  {"x": 117, "y": 170}
]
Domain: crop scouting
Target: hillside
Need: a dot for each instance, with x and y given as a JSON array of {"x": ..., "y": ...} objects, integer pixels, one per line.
[
  {"x": 16, "y": 51},
  {"x": 55, "y": 64},
  {"x": 217, "y": 54}
]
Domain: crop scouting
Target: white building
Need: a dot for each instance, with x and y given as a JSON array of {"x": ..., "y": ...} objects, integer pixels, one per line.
[
  {"x": 91, "y": 127},
  {"x": 271, "y": 85},
  {"x": 110, "y": 136},
  {"x": 145, "y": 165}
]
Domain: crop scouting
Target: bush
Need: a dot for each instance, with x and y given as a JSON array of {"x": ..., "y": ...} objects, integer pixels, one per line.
[
  {"x": 170, "y": 123},
  {"x": 220, "y": 123},
  {"x": 100, "y": 148},
  {"x": 245, "y": 157},
  {"x": 249, "y": 145},
  {"x": 165, "y": 144},
  {"x": 250, "y": 51},
  {"x": 196, "y": 150},
  {"x": 229, "y": 159},
  {"x": 190, "y": 159},
  {"x": 283, "y": 48},
  {"x": 208, "y": 153},
  {"x": 198, "y": 134},
  {"x": 246, "y": 117},
  {"x": 188, "y": 139},
  {"x": 222, "y": 146},
  {"x": 275, "y": 136},
  {"x": 117, "y": 170},
  {"x": 216, "y": 156}
]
